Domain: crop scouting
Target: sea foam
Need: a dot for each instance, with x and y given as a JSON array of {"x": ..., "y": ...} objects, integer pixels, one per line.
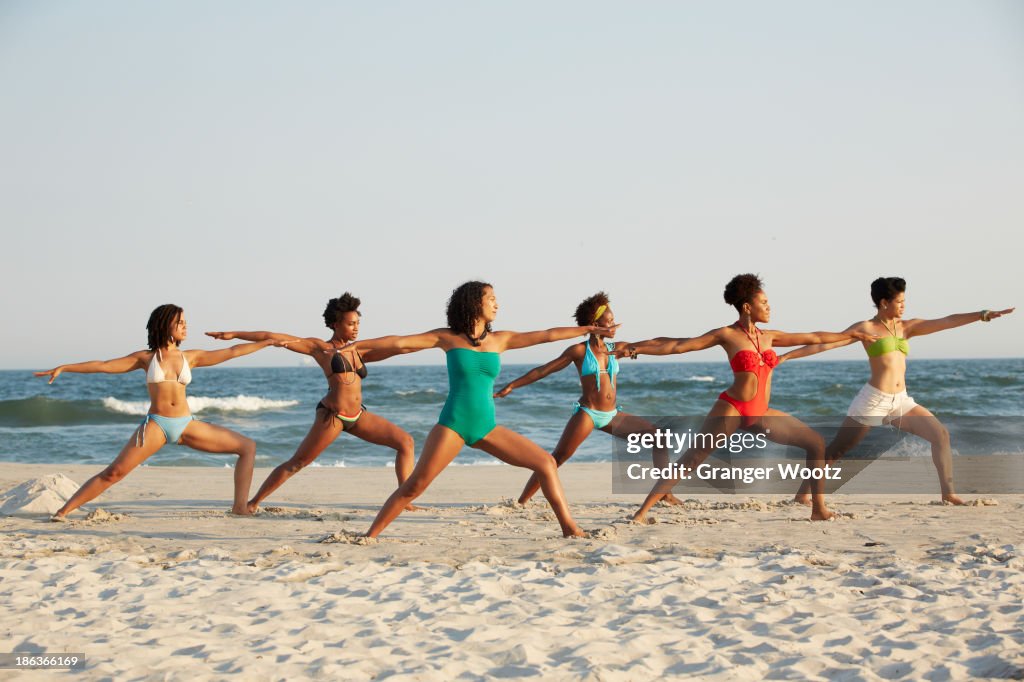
[{"x": 238, "y": 403}]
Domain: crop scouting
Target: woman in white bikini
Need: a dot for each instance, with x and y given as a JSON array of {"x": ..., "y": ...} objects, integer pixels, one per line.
[{"x": 168, "y": 372}]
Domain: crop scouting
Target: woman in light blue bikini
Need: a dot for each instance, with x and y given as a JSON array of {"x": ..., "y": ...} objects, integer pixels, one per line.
[
  {"x": 596, "y": 408},
  {"x": 168, "y": 372}
]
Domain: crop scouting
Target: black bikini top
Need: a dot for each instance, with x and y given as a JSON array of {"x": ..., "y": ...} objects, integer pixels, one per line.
[{"x": 341, "y": 365}]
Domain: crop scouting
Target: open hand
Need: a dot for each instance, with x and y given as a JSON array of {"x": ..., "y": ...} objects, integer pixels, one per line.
[
  {"x": 222, "y": 336},
  {"x": 626, "y": 352},
  {"x": 604, "y": 331},
  {"x": 993, "y": 314},
  {"x": 504, "y": 392},
  {"x": 52, "y": 373},
  {"x": 864, "y": 336}
]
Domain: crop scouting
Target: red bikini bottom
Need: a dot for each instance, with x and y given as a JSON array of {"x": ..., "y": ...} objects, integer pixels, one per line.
[{"x": 751, "y": 410}]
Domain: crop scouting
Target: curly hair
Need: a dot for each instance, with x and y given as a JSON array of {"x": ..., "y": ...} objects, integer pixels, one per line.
[
  {"x": 586, "y": 312},
  {"x": 466, "y": 306},
  {"x": 336, "y": 307},
  {"x": 742, "y": 289},
  {"x": 887, "y": 288},
  {"x": 159, "y": 325}
]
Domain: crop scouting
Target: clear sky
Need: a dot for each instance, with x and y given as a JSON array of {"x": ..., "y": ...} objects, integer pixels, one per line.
[{"x": 250, "y": 160}]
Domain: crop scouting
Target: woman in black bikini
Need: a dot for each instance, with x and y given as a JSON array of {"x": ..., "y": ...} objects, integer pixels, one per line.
[{"x": 341, "y": 409}]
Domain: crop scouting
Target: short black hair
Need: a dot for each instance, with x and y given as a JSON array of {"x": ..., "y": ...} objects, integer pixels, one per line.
[
  {"x": 742, "y": 289},
  {"x": 336, "y": 307},
  {"x": 586, "y": 312},
  {"x": 466, "y": 306},
  {"x": 159, "y": 325},
  {"x": 886, "y": 289}
]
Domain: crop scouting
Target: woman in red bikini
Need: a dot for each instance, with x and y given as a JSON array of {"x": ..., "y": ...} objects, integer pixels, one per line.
[{"x": 745, "y": 403}]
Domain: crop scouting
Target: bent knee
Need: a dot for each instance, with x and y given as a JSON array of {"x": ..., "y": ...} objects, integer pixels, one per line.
[
  {"x": 546, "y": 467},
  {"x": 406, "y": 443},
  {"x": 815, "y": 444}
]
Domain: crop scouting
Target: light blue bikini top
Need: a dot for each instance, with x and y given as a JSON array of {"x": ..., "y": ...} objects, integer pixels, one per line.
[{"x": 591, "y": 366}]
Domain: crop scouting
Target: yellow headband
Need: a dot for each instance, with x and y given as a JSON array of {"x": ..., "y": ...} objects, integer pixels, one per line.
[{"x": 600, "y": 312}]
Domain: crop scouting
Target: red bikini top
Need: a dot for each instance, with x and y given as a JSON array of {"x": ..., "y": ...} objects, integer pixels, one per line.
[{"x": 749, "y": 361}]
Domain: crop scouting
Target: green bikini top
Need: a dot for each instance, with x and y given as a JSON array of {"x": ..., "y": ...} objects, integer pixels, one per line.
[{"x": 888, "y": 344}]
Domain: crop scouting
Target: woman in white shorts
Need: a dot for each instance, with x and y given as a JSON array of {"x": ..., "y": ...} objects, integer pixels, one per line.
[{"x": 884, "y": 399}]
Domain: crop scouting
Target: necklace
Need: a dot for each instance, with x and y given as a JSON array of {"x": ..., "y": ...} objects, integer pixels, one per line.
[
  {"x": 891, "y": 331},
  {"x": 476, "y": 341},
  {"x": 756, "y": 340},
  {"x": 337, "y": 351}
]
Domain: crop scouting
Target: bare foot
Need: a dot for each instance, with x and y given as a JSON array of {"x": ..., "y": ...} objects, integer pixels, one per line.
[
  {"x": 575, "y": 532},
  {"x": 803, "y": 499},
  {"x": 252, "y": 508},
  {"x": 952, "y": 498},
  {"x": 413, "y": 507},
  {"x": 640, "y": 518},
  {"x": 59, "y": 518},
  {"x": 243, "y": 511},
  {"x": 822, "y": 514},
  {"x": 671, "y": 500}
]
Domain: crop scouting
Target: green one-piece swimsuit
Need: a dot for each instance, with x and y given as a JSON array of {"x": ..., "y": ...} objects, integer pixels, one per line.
[{"x": 469, "y": 409}]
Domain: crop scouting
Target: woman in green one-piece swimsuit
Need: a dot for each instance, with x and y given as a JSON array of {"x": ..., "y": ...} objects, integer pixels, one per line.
[{"x": 473, "y": 356}]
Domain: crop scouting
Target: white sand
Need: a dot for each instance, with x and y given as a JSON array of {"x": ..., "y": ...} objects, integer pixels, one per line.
[
  {"x": 167, "y": 586},
  {"x": 37, "y": 496}
]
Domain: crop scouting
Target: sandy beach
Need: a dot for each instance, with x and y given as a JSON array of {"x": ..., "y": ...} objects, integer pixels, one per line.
[{"x": 163, "y": 584}]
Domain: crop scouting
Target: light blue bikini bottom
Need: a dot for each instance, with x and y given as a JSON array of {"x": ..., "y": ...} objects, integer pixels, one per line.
[
  {"x": 172, "y": 427},
  {"x": 601, "y": 419}
]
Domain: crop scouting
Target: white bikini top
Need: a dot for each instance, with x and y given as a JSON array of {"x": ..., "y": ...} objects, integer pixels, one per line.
[{"x": 155, "y": 373}]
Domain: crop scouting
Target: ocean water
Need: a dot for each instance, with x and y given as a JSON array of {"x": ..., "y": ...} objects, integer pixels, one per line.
[{"x": 86, "y": 419}]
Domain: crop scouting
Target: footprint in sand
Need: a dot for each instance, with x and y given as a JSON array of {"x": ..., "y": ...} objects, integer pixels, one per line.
[
  {"x": 649, "y": 520},
  {"x": 347, "y": 537},
  {"x": 103, "y": 516},
  {"x": 606, "y": 533}
]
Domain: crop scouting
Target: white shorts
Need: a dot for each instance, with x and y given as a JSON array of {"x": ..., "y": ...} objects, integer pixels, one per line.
[{"x": 872, "y": 407}]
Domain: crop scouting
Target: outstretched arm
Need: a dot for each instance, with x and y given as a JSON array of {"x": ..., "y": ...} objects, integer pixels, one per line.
[
  {"x": 815, "y": 338},
  {"x": 537, "y": 373},
  {"x": 128, "y": 363},
  {"x": 664, "y": 345},
  {"x": 514, "y": 340},
  {"x": 208, "y": 358},
  {"x": 380, "y": 354},
  {"x": 922, "y": 327},
  {"x": 386, "y": 346},
  {"x": 813, "y": 349},
  {"x": 305, "y": 346}
]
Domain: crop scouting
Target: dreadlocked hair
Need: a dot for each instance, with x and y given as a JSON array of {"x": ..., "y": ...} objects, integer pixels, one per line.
[
  {"x": 742, "y": 289},
  {"x": 159, "y": 325},
  {"x": 336, "y": 307},
  {"x": 466, "y": 306},
  {"x": 587, "y": 311}
]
